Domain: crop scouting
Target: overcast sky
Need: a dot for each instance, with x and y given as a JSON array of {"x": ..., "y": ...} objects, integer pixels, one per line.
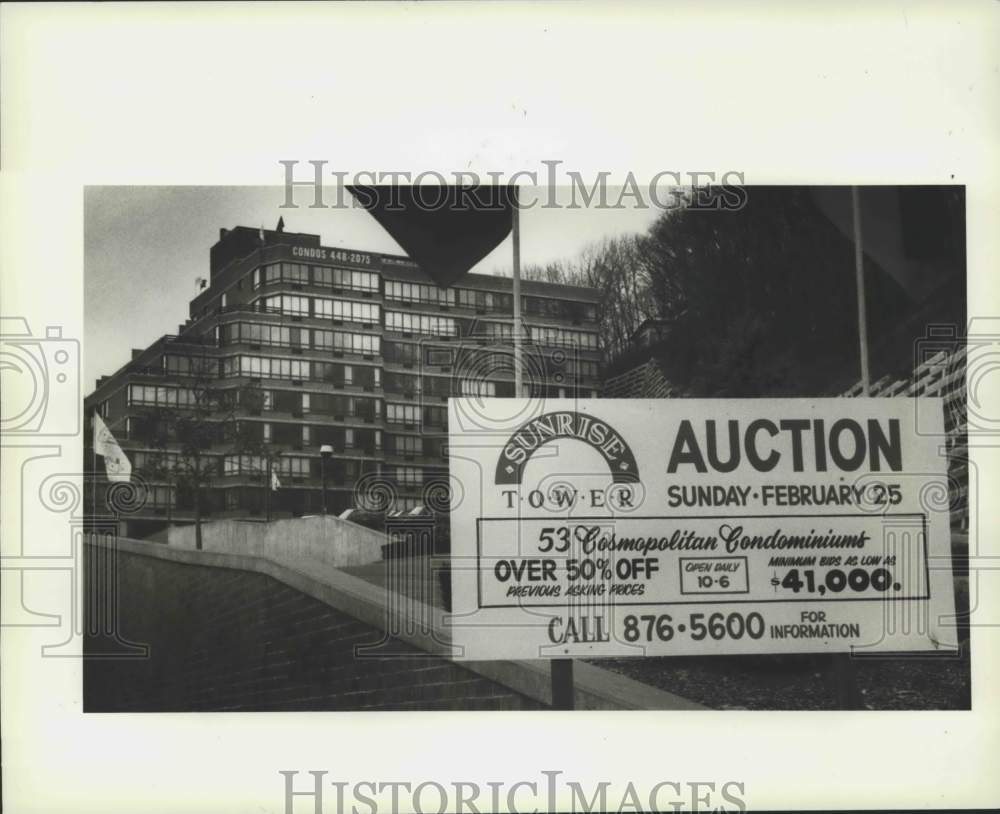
[{"x": 144, "y": 247}]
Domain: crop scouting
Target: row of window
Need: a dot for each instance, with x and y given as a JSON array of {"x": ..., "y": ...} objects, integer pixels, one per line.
[
  {"x": 406, "y": 444},
  {"x": 406, "y": 475},
  {"x": 291, "y": 336},
  {"x": 411, "y": 415},
  {"x": 434, "y": 295},
  {"x": 559, "y": 309},
  {"x": 493, "y": 330},
  {"x": 367, "y": 281},
  {"x": 190, "y": 365},
  {"x": 298, "y": 436},
  {"x": 433, "y": 325},
  {"x": 482, "y": 359},
  {"x": 159, "y": 396},
  {"x": 295, "y": 466},
  {"x": 420, "y": 324},
  {"x": 563, "y": 337},
  {"x": 159, "y": 496},
  {"x": 402, "y": 414},
  {"x": 266, "y": 367},
  {"x": 419, "y": 292},
  {"x": 324, "y": 308},
  {"x": 412, "y": 385},
  {"x": 153, "y": 462},
  {"x": 302, "y": 274},
  {"x": 287, "y": 401}
]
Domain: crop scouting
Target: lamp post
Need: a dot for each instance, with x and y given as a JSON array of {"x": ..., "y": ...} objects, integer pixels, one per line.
[{"x": 325, "y": 452}]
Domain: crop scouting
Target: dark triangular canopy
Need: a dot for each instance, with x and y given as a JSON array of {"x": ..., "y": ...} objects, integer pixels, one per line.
[{"x": 445, "y": 230}]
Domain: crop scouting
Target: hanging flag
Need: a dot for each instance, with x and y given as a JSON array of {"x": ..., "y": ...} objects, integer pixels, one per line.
[
  {"x": 275, "y": 483},
  {"x": 445, "y": 230},
  {"x": 116, "y": 463}
]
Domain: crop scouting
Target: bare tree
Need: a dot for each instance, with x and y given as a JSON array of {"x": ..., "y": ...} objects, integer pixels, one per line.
[{"x": 202, "y": 427}]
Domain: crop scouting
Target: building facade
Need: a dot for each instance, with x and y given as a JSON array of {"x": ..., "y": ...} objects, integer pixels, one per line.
[{"x": 327, "y": 364}]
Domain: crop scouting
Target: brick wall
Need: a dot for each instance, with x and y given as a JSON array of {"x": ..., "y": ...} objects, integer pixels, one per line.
[{"x": 224, "y": 639}]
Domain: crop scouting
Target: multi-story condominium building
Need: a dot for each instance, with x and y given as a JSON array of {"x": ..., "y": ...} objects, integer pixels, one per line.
[{"x": 328, "y": 365}]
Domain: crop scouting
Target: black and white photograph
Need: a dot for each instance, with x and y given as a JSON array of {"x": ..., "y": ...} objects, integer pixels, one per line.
[
  {"x": 299, "y": 478},
  {"x": 499, "y": 407}
]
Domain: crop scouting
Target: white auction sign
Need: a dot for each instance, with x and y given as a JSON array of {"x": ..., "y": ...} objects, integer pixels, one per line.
[{"x": 605, "y": 527}]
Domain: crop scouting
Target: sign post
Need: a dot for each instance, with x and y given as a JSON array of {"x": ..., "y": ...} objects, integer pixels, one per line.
[
  {"x": 609, "y": 528},
  {"x": 563, "y": 693}
]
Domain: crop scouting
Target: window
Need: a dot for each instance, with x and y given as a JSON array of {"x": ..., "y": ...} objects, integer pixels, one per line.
[
  {"x": 408, "y": 445},
  {"x": 293, "y": 466},
  {"x": 436, "y": 416},
  {"x": 364, "y": 408},
  {"x": 287, "y": 304},
  {"x": 287, "y": 401},
  {"x": 264, "y": 367},
  {"x": 346, "y": 310},
  {"x": 295, "y": 273},
  {"x": 345, "y": 278},
  {"x": 402, "y": 383},
  {"x": 420, "y": 324},
  {"x": 231, "y": 366},
  {"x": 156, "y": 464},
  {"x": 345, "y": 342},
  {"x": 159, "y": 496},
  {"x": 244, "y": 465},
  {"x": 402, "y": 414},
  {"x": 494, "y": 330},
  {"x": 418, "y": 292},
  {"x": 402, "y": 353},
  {"x": 408, "y": 475},
  {"x": 485, "y": 300},
  {"x": 477, "y": 387},
  {"x": 545, "y": 335},
  {"x": 365, "y": 344},
  {"x": 306, "y": 435},
  {"x": 189, "y": 365},
  {"x": 267, "y": 431},
  {"x": 160, "y": 396},
  {"x": 437, "y": 386},
  {"x": 257, "y": 334}
]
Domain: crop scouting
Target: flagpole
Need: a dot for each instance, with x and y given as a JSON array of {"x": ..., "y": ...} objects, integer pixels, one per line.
[
  {"x": 560, "y": 669},
  {"x": 267, "y": 491},
  {"x": 859, "y": 274},
  {"x": 93, "y": 474},
  {"x": 843, "y": 674},
  {"x": 516, "y": 235}
]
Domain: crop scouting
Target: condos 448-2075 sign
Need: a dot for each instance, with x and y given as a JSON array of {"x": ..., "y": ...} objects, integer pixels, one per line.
[{"x": 658, "y": 527}]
